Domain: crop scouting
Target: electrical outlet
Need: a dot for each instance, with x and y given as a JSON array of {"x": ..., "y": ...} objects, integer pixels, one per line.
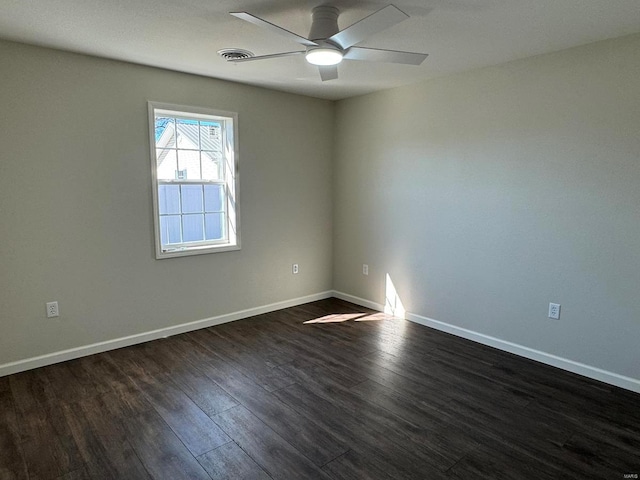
[
  {"x": 52, "y": 310},
  {"x": 365, "y": 269},
  {"x": 554, "y": 311},
  {"x": 295, "y": 269}
]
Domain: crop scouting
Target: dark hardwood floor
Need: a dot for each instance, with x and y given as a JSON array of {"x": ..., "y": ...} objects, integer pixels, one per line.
[{"x": 326, "y": 390}]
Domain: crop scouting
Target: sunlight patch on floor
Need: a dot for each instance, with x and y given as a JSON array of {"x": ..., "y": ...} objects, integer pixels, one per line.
[
  {"x": 356, "y": 317},
  {"x": 375, "y": 317},
  {"x": 393, "y": 310},
  {"x": 336, "y": 318}
]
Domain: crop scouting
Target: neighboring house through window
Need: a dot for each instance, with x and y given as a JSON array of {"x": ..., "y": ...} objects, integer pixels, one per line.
[{"x": 195, "y": 180}]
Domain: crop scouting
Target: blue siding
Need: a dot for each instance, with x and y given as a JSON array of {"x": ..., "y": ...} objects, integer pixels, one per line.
[
  {"x": 213, "y": 198},
  {"x": 182, "y": 213},
  {"x": 193, "y": 228},
  {"x": 214, "y": 226},
  {"x": 192, "y": 199}
]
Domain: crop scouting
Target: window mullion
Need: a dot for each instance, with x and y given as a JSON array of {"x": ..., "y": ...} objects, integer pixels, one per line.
[{"x": 181, "y": 215}]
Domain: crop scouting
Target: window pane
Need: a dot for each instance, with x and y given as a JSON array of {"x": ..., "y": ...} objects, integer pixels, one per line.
[
  {"x": 211, "y": 136},
  {"x": 167, "y": 163},
  {"x": 168, "y": 199},
  {"x": 213, "y": 198},
  {"x": 192, "y": 199},
  {"x": 165, "y": 132},
  {"x": 188, "y": 134},
  {"x": 170, "y": 230},
  {"x": 194, "y": 167},
  {"x": 211, "y": 165},
  {"x": 193, "y": 228},
  {"x": 214, "y": 226},
  {"x": 190, "y": 161}
]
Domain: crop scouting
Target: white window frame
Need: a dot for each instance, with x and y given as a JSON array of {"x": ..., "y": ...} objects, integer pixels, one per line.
[{"x": 231, "y": 180}]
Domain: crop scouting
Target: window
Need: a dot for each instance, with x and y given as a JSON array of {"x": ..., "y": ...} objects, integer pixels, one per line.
[{"x": 195, "y": 180}]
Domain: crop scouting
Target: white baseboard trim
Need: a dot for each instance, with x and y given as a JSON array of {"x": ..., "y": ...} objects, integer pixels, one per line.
[
  {"x": 595, "y": 373},
  {"x": 70, "y": 354},
  {"x": 363, "y": 302}
]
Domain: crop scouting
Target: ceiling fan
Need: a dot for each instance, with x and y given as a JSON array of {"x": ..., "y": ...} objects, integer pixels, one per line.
[{"x": 327, "y": 46}]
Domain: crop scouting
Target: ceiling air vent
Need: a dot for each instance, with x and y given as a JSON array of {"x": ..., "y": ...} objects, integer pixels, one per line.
[{"x": 235, "y": 53}]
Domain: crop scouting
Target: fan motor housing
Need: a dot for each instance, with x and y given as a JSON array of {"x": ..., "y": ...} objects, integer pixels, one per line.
[{"x": 324, "y": 22}]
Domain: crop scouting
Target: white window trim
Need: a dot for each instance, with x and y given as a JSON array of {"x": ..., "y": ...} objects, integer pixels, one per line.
[{"x": 233, "y": 203}]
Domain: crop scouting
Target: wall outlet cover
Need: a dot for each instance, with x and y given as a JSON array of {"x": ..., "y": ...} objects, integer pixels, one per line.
[{"x": 52, "y": 310}]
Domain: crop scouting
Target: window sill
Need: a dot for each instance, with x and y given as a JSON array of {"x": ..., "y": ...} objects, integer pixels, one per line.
[{"x": 188, "y": 251}]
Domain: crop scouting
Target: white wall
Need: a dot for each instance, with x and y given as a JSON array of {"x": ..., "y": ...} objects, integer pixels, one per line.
[
  {"x": 76, "y": 221},
  {"x": 489, "y": 194}
]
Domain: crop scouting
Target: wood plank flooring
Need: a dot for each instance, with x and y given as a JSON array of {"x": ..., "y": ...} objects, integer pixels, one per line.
[{"x": 325, "y": 390}]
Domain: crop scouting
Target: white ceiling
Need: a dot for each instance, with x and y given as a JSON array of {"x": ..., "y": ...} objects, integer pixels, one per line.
[{"x": 184, "y": 35}]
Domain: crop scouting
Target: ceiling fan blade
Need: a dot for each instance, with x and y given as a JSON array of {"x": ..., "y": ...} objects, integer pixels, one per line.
[
  {"x": 377, "y": 21},
  {"x": 274, "y": 28},
  {"x": 264, "y": 57},
  {"x": 328, "y": 72},
  {"x": 388, "y": 56}
]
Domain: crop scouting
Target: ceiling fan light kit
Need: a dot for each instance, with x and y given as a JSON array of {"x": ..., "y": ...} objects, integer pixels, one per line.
[
  {"x": 327, "y": 46},
  {"x": 323, "y": 56}
]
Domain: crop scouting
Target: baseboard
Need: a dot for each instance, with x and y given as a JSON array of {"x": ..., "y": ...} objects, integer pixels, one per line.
[
  {"x": 363, "y": 302},
  {"x": 595, "y": 373},
  {"x": 70, "y": 354}
]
